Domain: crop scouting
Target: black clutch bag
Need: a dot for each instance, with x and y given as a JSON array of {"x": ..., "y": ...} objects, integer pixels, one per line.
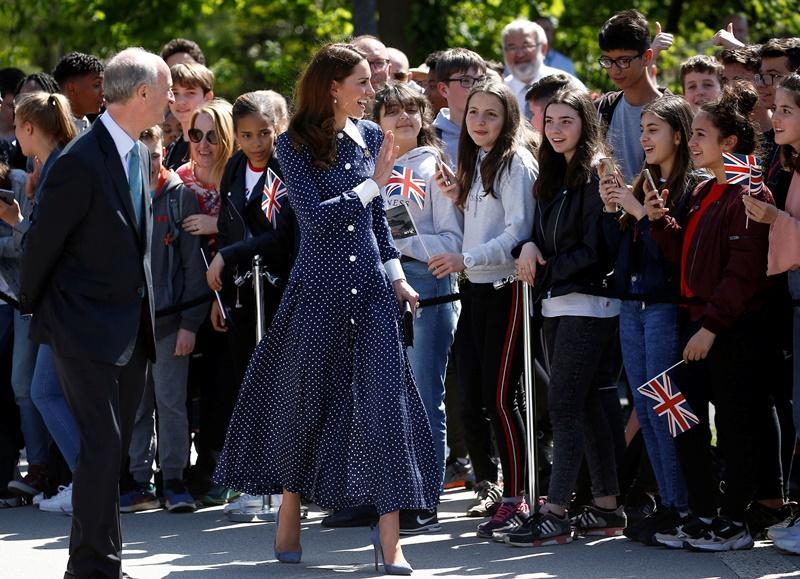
[{"x": 408, "y": 324}]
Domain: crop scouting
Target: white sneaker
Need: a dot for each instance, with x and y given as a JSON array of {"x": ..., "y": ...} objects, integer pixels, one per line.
[
  {"x": 243, "y": 504},
  {"x": 61, "y": 503},
  {"x": 38, "y": 499}
]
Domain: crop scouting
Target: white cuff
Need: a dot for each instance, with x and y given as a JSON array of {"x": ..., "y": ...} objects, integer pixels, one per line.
[
  {"x": 394, "y": 270},
  {"x": 367, "y": 191}
]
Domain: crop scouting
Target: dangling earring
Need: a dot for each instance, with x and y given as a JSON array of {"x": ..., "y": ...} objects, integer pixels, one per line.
[{"x": 335, "y": 101}]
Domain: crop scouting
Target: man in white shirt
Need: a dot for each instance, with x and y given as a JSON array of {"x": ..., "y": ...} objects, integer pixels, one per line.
[{"x": 524, "y": 49}]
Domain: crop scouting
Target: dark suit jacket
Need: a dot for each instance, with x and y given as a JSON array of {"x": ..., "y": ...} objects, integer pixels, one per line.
[{"x": 85, "y": 272}]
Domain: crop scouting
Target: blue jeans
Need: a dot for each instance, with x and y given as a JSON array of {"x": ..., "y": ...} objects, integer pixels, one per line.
[
  {"x": 23, "y": 362},
  {"x": 434, "y": 331},
  {"x": 650, "y": 342},
  {"x": 49, "y": 399},
  {"x": 794, "y": 290}
]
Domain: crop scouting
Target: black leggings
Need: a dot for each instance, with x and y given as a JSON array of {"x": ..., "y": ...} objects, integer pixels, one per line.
[{"x": 489, "y": 357}]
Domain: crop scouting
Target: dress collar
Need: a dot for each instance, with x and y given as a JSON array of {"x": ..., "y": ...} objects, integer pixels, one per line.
[{"x": 352, "y": 131}]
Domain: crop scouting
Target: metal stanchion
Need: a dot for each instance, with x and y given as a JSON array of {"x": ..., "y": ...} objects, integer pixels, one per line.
[{"x": 268, "y": 509}]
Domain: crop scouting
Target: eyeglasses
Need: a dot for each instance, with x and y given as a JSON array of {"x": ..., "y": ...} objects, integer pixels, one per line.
[
  {"x": 378, "y": 64},
  {"x": 196, "y": 136},
  {"x": 767, "y": 79},
  {"x": 467, "y": 81},
  {"x": 527, "y": 47},
  {"x": 622, "y": 62}
]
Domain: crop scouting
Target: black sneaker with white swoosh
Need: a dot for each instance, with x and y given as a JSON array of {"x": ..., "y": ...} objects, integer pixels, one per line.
[{"x": 416, "y": 522}]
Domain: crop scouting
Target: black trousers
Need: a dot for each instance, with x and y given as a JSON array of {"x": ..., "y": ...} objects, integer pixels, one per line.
[
  {"x": 489, "y": 357},
  {"x": 732, "y": 377},
  {"x": 103, "y": 399}
]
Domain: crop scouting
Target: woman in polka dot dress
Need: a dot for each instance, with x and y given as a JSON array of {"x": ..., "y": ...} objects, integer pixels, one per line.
[{"x": 328, "y": 408}]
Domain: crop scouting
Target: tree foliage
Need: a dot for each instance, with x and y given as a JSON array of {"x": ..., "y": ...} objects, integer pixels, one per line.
[{"x": 265, "y": 43}]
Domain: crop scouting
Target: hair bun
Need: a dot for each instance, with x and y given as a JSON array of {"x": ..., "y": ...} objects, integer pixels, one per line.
[{"x": 741, "y": 95}]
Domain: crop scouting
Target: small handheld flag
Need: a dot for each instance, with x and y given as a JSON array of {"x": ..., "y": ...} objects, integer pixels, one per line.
[
  {"x": 670, "y": 402},
  {"x": 744, "y": 169},
  {"x": 274, "y": 191},
  {"x": 403, "y": 183}
]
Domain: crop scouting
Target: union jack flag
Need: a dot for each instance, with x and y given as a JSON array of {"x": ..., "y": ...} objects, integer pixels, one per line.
[
  {"x": 671, "y": 402},
  {"x": 274, "y": 191},
  {"x": 406, "y": 185},
  {"x": 745, "y": 169}
]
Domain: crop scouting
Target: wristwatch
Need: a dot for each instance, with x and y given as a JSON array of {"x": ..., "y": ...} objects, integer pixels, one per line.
[{"x": 469, "y": 261}]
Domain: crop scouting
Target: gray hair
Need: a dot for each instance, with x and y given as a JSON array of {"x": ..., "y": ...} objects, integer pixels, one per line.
[
  {"x": 128, "y": 70},
  {"x": 525, "y": 27}
]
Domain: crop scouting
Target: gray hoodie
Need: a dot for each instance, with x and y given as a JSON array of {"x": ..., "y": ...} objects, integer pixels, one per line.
[
  {"x": 178, "y": 268},
  {"x": 11, "y": 238},
  {"x": 439, "y": 222},
  {"x": 449, "y": 133},
  {"x": 493, "y": 226}
]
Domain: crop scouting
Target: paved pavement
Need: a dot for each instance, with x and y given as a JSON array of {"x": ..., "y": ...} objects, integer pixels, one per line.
[{"x": 204, "y": 545}]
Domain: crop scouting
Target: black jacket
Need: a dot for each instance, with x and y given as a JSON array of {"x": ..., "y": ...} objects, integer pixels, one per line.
[
  {"x": 245, "y": 231},
  {"x": 85, "y": 271},
  {"x": 568, "y": 231}
]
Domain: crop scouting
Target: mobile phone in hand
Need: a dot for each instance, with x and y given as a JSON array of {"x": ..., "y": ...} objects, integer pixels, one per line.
[
  {"x": 7, "y": 195},
  {"x": 651, "y": 184},
  {"x": 445, "y": 174},
  {"x": 607, "y": 167}
]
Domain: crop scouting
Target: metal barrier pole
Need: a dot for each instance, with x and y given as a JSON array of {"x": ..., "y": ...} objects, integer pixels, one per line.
[{"x": 530, "y": 395}]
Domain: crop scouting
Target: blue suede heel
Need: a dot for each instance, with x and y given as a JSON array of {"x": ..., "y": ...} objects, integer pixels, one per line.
[{"x": 388, "y": 569}]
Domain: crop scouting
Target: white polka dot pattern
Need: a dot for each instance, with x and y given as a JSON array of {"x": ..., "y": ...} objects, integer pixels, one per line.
[{"x": 328, "y": 406}]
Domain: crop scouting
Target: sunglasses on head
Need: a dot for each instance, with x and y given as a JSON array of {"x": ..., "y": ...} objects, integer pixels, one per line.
[{"x": 196, "y": 136}]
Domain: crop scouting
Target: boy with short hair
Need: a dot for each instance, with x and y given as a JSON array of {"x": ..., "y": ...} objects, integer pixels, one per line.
[
  {"x": 80, "y": 78},
  {"x": 457, "y": 71},
  {"x": 182, "y": 50},
  {"x": 626, "y": 55},
  {"x": 178, "y": 278},
  {"x": 540, "y": 93},
  {"x": 193, "y": 86},
  {"x": 701, "y": 79}
]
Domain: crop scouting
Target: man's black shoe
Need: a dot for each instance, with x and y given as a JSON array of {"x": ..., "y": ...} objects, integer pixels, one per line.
[
  {"x": 416, "y": 522},
  {"x": 361, "y": 516}
]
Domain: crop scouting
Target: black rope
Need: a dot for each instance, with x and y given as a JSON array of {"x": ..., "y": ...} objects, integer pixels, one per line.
[{"x": 439, "y": 300}]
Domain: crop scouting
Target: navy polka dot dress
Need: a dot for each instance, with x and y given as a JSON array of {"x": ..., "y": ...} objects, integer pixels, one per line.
[{"x": 328, "y": 407}]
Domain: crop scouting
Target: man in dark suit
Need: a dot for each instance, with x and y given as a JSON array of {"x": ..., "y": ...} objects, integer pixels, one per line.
[{"x": 86, "y": 279}]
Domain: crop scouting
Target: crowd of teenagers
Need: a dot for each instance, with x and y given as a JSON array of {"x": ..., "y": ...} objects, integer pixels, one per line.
[{"x": 619, "y": 212}]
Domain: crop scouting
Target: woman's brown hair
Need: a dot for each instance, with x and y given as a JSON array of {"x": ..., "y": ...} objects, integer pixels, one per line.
[
  {"x": 220, "y": 112},
  {"x": 789, "y": 157},
  {"x": 554, "y": 171},
  {"x": 312, "y": 125},
  {"x": 407, "y": 98},
  {"x": 47, "y": 112},
  {"x": 677, "y": 113},
  {"x": 498, "y": 160}
]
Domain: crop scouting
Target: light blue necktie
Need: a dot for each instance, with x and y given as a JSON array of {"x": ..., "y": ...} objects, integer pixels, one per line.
[{"x": 135, "y": 182}]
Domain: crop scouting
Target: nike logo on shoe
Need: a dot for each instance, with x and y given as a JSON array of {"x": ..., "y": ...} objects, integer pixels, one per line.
[{"x": 423, "y": 522}]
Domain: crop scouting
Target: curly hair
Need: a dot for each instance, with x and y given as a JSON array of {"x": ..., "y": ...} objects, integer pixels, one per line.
[
  {"x": 190, "y": 47},
  {"x": 76, "y": 64}
]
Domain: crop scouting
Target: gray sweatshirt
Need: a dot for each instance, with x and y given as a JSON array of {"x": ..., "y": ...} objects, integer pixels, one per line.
[
  {"x": 493, "y": 226},
  {"x": 439, "y": 222}
]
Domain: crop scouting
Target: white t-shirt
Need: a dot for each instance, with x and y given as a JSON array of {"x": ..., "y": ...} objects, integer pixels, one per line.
[
  {"x": 578, "y": 304},
  {"x": 251, "y": 177}
]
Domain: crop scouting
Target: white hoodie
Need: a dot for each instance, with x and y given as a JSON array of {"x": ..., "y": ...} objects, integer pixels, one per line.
[
  {"x": 440, "y": 224},
  {"x": 493, "y": 226}
]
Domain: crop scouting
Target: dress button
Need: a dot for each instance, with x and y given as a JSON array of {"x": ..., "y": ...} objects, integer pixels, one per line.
[
  {"x": 347, "y": 166},
  {"x": 340, "y": 136},
  {"x": 354, "y": 291},
  {"x": 352, "y": 258},
  {"x": 351, "y": 228}
]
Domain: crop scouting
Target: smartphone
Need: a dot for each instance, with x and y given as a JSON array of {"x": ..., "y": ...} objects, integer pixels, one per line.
[
  {"x": 445, "y": 174},
  {"x": 651, "y": 184},
  {"x": 606, "y": 167},
  {"x": 7, "y": 195}
]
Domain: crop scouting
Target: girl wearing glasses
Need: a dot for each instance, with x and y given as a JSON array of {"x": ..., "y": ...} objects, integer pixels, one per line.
[
  {"x": 328, "y": 408},
  {"x": 211, "y": 144}
]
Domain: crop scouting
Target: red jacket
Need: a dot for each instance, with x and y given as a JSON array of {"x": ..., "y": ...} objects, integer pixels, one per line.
[{"x": 727, "y": 265}]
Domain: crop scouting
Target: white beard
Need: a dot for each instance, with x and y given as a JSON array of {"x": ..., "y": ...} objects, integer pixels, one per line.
[{"x": 524, "y": 72}]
